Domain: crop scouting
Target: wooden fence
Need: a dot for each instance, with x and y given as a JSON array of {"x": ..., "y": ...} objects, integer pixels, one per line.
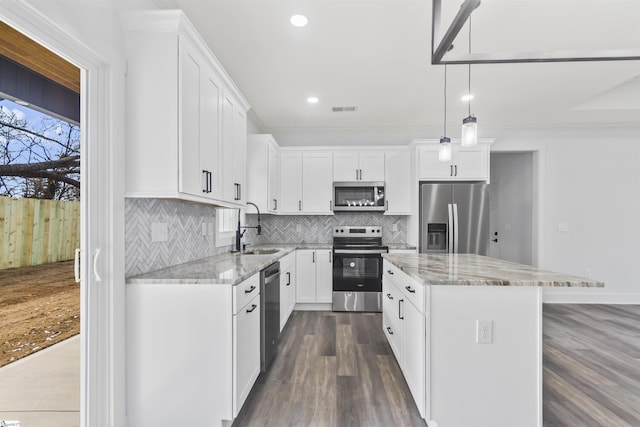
[{"x": 34, "y": 231}]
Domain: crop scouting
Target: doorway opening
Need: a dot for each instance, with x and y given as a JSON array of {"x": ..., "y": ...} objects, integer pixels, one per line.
[
  {"x": 40, "y": 211},
  {"x": 513, "y": 207}
]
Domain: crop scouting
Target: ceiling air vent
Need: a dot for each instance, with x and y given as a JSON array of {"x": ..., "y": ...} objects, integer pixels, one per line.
[{"x": 343, "y": 109}]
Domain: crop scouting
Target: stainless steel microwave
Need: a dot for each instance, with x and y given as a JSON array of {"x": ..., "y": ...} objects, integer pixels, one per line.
[{"x": 358, "y": 196}]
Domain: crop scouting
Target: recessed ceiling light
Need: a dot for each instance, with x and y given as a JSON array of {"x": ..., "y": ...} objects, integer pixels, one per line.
[
  {"x": 299, "y": 20},
  {"x": 468, "y": 97},
  {"x": 312, "y": 100}
]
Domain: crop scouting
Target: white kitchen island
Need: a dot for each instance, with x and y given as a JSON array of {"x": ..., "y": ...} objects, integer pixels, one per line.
[{"x": 476, "y": 358}]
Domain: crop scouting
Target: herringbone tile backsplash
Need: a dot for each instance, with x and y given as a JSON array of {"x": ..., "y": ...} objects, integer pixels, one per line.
[
  {"x": 186, "y": 242},
  {"x": 319, "y": 228}
]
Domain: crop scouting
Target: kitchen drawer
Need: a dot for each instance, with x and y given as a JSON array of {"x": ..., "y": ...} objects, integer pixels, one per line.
[
  {"x": 243, "y": 292},
  {"x": 410, "y": 288},
  {"x": 393, "y": 330},
  {"x": 391, "y": 296}
]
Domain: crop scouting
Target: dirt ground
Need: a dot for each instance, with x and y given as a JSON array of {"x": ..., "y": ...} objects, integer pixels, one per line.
[{"x": 39, "y": 306}]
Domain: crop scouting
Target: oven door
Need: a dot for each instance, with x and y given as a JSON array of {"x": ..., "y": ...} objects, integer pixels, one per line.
[{"x": 357, "y": 270}]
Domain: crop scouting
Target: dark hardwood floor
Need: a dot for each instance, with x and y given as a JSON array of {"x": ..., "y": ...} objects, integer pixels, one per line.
[
  {"x": 336, "y": 369},
  {"x": 331, "y": 369},
  {"x": 591, "y": 365}
]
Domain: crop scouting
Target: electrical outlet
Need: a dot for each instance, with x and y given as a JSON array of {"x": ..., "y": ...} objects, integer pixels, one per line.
[
  {"x": 394, "y": 227},
  {"x": 159, "y": 232},
  {"x": 298, "y": 228},
  {"x": 484, "y": 331}
]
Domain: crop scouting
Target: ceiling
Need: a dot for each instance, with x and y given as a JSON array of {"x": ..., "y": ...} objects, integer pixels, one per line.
[{"x": 375, "y": 55}]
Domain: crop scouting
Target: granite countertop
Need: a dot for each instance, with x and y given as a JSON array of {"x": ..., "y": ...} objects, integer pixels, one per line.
[
  {"x": 229, "y": 268},
  {"x": 400, "y": 246},
  {"x": 478, "y": 270}
]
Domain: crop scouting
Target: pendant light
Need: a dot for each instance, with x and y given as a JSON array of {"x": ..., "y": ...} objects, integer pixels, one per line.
[
  {"x": 444, "y": 153},
  {"x": 469, "y": 123}
]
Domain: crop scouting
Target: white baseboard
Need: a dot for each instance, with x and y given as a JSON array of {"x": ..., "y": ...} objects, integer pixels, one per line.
[
  {"x": 590, "y": 298},
  {"x": 313, "y": 307}
]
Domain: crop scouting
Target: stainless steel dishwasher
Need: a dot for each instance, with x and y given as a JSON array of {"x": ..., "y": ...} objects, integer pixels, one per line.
[{"x": 270, "y": 313}]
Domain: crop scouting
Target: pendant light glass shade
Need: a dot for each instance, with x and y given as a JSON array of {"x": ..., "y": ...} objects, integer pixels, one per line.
[
  {"x": 444, "y": 153},
  {"x": 469, "y": 131}
]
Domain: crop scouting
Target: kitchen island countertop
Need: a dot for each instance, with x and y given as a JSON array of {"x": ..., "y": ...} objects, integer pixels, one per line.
[
  {"x": 229, "y": 268},
  {"x": 478, "y": 270}
]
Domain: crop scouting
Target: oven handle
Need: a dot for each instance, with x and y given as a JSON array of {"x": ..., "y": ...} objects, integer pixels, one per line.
[{"x": 360, "y": 251}]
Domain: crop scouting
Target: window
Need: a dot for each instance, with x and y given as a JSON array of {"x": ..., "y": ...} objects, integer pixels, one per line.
[{"x": 227, "y": 221}]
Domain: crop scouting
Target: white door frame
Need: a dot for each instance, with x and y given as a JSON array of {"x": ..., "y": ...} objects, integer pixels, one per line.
[{"x": 102, "y": 214}]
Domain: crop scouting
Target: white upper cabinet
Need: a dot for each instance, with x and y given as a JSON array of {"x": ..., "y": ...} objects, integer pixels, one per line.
[
  {"x": 186, "y": 117},
  {"x": 290, "y": 182},
  {"x": 263, "y": 179},
  {"x": 398, "y": 182},
  {"x": 317, "y": 182},
  {"x": 467, "y": 163},
  {"x": 367, "y": 165}
]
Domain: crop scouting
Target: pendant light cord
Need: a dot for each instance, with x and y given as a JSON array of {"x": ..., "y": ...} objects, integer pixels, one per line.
[
  {"x": 469, "y": 93},
  {"x": 445, "y": 100}
]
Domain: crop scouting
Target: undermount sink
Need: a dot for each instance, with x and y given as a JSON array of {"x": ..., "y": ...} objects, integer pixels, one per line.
[{"x": 261, "y": 251}]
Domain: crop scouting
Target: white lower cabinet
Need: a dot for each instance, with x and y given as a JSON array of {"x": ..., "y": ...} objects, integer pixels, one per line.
[
  {"x": 246, "y": 351},
  {"x": 191, "y": 357},
  {"x": 287, "y": 287},
  {"x": 404, "y": 324},
  {"x": 314, "y": 276}
]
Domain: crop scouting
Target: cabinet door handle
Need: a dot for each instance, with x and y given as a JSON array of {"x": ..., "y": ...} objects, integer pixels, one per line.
[
  {"x": 329, "y": 257},
  {"x": 389, "y": 296},
  {"x": 300, "y": 205},
  {"x": 360, "y": 174},
  {"x": 413, "y": 291},
  {"x": 288, "y": 278},
  {"x": 389, "y": 330},
  {"x": 275, "y": 204},
  {"x": 253, "y": 307},
  {"x": 386, "y": 205},
  {"x": 239, "y": 191},
  {"x": 356, "y": 174},
  {"x": 210, "y": 189},
  {"x": 400, "y": 315},
  {"x": 205, "y": 175},
  {"x": 251, "y": 289},
  {"x": 390, "y": 272},
  {"x": 456, "y": 167},
  {"x": 450, "y": 170},
  {"x": 330, "y": 205},
  {"x": 313, "y": 256}
]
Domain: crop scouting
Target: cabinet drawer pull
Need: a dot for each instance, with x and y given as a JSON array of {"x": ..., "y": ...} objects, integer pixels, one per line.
[
  {"x": 413, "y": 291},
  {"x": 389, "y": 296},
  {"x": 251, "y": 289},
  {"x": 400, "y": 315},
  {"x": 456, "y": 167},
  {"x": 206, "y": 181},
  {"x": 288, "y": 278},
  {"x": 253, "y": 307},
  {"x": 389, "y": 330},
  {"x": 451, "y": 171},
  {"x": 390, "y": 272}
]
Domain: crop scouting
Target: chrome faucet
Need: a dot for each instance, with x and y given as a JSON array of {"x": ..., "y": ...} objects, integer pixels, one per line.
[{"x": 242, "y": 229}]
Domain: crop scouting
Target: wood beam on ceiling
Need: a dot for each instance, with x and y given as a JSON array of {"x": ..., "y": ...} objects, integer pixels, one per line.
[{"x": 21, "y": 49}]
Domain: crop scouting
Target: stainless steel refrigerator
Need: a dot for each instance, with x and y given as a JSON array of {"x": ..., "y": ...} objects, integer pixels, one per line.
[{"x": 454, "y": 217}]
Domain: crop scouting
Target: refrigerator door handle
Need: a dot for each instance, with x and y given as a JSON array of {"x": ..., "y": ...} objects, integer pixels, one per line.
[
  {"x": 450, "y": 228},
  {"x": 455, "y": 228}
]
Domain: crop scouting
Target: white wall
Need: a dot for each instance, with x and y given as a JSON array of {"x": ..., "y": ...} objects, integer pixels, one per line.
[
  {"x": 511, "y": 206},
  {"x": 588, "y": 180}
]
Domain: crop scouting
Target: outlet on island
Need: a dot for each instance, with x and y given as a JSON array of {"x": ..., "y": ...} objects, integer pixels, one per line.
[{"x": 484, "y": 331}]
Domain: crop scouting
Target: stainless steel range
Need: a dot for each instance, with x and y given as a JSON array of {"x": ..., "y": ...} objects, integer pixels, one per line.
[{"x": 357, "y": 268}]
